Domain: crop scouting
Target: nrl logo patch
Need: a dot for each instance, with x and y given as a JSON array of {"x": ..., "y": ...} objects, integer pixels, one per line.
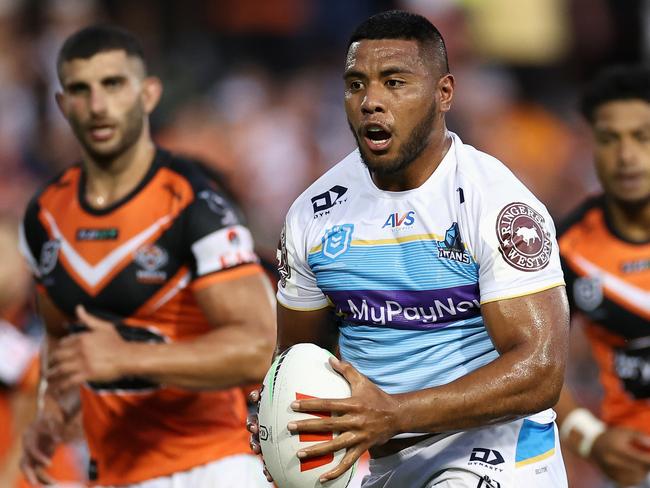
[
  {"x": 337, "y": 240},
  {"x": 524, "y": 242},
  {"x": 49, "y": 256}
]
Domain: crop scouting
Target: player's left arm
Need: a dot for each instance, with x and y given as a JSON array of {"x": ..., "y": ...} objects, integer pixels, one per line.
[
  {"x": 237, "y": 351},
  {"x": 531, "y": 335}
]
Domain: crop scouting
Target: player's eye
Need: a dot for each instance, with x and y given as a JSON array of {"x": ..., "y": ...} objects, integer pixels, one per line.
[
  {"x": 642, "y": 137},
  {"x": 355, "y": 85},
  {"x": 393, "y": 83},
  {"x": 605, "y": 138},
  {"x": 76, "y": 88},
  {"x": 113, "y": 82}
]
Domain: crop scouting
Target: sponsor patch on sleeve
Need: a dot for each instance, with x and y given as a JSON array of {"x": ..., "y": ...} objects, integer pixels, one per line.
[{"x": 524, "y": 241}]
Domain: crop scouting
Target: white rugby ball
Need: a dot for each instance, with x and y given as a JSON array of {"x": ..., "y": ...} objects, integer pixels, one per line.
[{"x": 302, "y": 371}]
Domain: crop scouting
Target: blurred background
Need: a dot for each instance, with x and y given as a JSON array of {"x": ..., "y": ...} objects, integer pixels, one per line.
[{"x": 254, "y": 89}]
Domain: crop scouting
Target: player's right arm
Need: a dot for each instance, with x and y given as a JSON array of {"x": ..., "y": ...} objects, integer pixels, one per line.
[{"x": 55, "y": 409}]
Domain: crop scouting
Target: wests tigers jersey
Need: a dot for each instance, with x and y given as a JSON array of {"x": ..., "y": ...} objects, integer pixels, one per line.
[
  {"x": 137, "y": 263},
  {"x": 608, "y": 280}
]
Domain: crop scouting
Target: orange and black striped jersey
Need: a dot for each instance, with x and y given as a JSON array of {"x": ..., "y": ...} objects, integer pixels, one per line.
[
  {"x": 137, "y": 263},
  {"x": 608, "y": 280}
]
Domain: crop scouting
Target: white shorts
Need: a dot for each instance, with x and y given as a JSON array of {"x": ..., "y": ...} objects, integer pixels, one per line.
[
  {"x": 522, "y": 453},
  {"x": 240, "y": 471}
]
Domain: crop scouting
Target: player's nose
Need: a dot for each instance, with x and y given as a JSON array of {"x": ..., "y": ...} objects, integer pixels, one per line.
[{"x": 373, "y": 100}]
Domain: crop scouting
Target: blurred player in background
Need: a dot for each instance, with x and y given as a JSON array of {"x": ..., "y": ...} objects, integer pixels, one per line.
[
  {"x": 437, "y": 274},
  {"x": 156, "y": 308},
  {"x": 19, "y": 370},
  {"x": 605, "y": 248}
]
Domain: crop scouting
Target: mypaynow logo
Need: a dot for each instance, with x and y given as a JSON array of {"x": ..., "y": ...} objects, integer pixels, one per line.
[{"x": 408, "y": 309}]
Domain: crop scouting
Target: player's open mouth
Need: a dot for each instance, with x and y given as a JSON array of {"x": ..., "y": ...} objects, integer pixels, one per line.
[
  {"x": 377, "y": 137},
  {"x": 101, "y": 132}
]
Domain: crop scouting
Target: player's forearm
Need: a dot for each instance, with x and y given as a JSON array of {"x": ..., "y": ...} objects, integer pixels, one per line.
[
  {"x": 514, "y": 385},
  {"x": 222, "y": 358}
]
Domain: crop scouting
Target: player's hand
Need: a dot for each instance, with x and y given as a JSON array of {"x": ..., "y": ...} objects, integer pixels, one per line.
[
  {"x": 615, "y": 451},
  {"x": 39, "y": 442},
  {"x": 368, "y": 418},
  {"x": 252, "y": 425},
  {"x": 94, "y": 355}
]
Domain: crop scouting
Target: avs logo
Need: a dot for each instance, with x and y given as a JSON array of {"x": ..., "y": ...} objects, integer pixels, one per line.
[
  {"x": 337, "y": 240},
  {"x": 395, "y": 220},
  {"x": 323, "y": 202},
  {"x": 487, "y": 458},
  {"x": 151, "y": 259},
  {"x": 452, "y": 247}
]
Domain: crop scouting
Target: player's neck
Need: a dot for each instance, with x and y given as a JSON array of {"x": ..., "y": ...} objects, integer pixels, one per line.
[
  {"x": 419, "y": 171},
  {"x": 630, "y": 221},
  {"x": 109, "y": 183}
]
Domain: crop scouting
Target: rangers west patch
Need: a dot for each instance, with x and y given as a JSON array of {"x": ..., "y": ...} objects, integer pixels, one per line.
[{"x": 524, "y": 242}]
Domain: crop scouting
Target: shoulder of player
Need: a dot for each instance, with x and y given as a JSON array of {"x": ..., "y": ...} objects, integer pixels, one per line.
[
  {"x": 490, "y": 179},
  {"x": 577, "y": 216},
  {"x": 336, "y": 180},
  {"x": 197, "y": 175},
  {"x": 59, "y": 182}
]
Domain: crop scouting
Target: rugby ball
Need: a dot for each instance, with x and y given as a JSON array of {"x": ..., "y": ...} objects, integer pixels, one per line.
[{"x": 302, "y": 371}]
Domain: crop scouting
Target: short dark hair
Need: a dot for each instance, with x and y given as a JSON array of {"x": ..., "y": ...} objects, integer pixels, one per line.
[
  {"x": 94, "y": 39},
  {"x": 397, "y": 24},
  {"x": 622, "y": 82}
]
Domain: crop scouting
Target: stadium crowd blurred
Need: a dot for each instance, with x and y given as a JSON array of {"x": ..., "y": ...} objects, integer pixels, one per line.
[{"x": 254, "y": 88}]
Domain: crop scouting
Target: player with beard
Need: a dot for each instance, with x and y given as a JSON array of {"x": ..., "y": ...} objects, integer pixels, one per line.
[
  {"x": 437, "y": 275},
  {"x": 605, "y": 246},
  {"x": 145, "y": 278}
]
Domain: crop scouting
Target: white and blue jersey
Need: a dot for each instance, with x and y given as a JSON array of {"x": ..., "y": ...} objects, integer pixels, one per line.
[{"x": 407, "y": 272}]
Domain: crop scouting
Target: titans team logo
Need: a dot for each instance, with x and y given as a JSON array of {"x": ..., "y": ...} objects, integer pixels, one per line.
[
  {"x": 524, "y": 242},
  {"x": 452, "y": 247},
  {"x": 337, "y": 240}
]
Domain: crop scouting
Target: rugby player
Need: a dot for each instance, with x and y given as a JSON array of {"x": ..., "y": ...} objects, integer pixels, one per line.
[
  {"x": 437, "y": 275},
  {"x": 156, "y": 308},
  {"x": 605, "y": 247}
]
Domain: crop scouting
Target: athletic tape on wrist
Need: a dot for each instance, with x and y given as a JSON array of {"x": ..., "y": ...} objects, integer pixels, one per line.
[{"x": 587, "y": 425}]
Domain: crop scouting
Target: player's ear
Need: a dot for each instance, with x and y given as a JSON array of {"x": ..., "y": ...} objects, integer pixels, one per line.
[
  {"x": 60, "y": 102},
  {"x": 151, "y": 92},
  {"x": 446, "y": 91}
]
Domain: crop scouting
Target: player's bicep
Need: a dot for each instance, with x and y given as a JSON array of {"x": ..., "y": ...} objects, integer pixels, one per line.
[
  {"x": 314, "y": 326},
  {"x": 539, "y": 321},
  {"x": 242, "y": 297}
]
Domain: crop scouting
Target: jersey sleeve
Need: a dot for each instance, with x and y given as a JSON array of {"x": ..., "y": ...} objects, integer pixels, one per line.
[
  {"x": 32, "y": 238},
  {"x": 217, "y": 238},
  {"x": 297, "y": 288},
  {"x": 515, "y": 244}
]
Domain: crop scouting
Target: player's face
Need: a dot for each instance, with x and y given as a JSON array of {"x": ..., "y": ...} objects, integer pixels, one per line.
[
  {"x": 394, "y": 101},
  {"x": 106, "y": 101},
  {"x": 622, "y": 149}
]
